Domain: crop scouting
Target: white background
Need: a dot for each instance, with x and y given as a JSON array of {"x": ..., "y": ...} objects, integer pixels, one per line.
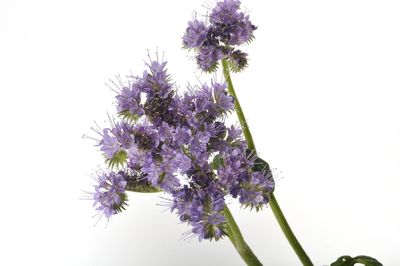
[{"x": 321, "y": 96}]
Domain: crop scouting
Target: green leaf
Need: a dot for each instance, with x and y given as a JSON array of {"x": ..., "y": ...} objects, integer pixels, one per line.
[
  {"x": 217, "y": 162},
  {"x": 141, "y": 187},
  {"x": 259, "y": 164},
  {"x": 138, "y": 183},
  {"x": 128, "y": 116},
  {"x": 349, "y": 261},
  {"x": 118, "y": 159}
]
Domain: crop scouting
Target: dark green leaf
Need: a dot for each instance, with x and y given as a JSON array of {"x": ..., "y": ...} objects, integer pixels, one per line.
[
  {"x": 142, "y": 186},
  {"x": 259, "y": 164},
  {"x": 217, "y": 162},
  {"x": 349, "y": 261}
]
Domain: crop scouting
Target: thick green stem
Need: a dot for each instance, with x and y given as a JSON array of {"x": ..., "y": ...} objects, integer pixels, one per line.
[
  {"x": 238, "y": 241},
  {"x": 272, "y": 203}
]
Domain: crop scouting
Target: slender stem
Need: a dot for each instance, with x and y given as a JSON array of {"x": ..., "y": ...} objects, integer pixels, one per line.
[
  {"x": 276, "y": 210},
  {"x": 238, "y": 108},
  {"x": 238, "y": 241}
]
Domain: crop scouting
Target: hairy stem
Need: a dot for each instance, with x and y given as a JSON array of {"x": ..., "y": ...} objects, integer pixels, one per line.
[
  {"x": 238, "y": 242},
  {"x": 276, "y": 210},
  {"x": 238, "y": 108}
]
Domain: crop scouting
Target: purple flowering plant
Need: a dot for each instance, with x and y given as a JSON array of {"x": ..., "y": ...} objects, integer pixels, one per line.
[{"x": 179, "y": 144}]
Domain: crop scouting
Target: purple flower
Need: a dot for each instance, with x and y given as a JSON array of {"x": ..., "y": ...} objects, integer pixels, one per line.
[
  {"x": 201, "y": 208},
  {"x": 181, "y": 202},
  {"x": 217, "y": 132},
  {"x": 115, "y": 138},
  {"x": 223, "y": 101},
  {"x": 229, "y": 27},
  {"x": 196, "y": 33},
  {"x": 234, "y": 133},
  {"x": 109, "y": 196},
  {"x": 208, "y": 57},
  {"x": 225, "y": 12},
  {"x": 161, "y": 166},
  {"x": 165, "y": 132},
  {"x": 109, "y": 143},
  {"x": 211, "y": 223},
  {"x": 145, "y": 136},
  {"x": 160, "y": 101},
  {"x": 123, "y": 132},
  {"x": 251, "y": 197},
  {"x": 129, "y": 101},
  {"x": 158, "y": 81},
  {"x": 137, "y": 157},
  {"x": 181, "y": 136},
  {"x": 242, "y": 32},
  {"x": 255, "y": 188},
  {"x": 232, "y": 26},
  {"x": 227, "y": 177},
  {"x": 211, "y": 102},
  {"x": 152, "y": 172},
  {"x": 183, "y": 161}
]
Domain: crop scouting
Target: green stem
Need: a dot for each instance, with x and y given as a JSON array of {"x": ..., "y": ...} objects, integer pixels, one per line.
[
  {"x": 276, "y": 210},
  {"x": 238, "y": 242},
  {"x": 238, "y": 108}
]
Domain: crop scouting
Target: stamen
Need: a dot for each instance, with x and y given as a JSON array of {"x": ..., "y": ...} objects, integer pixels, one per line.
[
  {"x": 112, "y": 89},
  {"x": 90, "y": 137}
]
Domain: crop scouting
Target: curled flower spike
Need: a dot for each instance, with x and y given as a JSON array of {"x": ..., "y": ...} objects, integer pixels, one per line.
[
  {"x": 227, "y": 27},
  {"x": 203, "y": 210},
  {"x": 232, "y": 26},
  {"x": 109, "y": 196}
]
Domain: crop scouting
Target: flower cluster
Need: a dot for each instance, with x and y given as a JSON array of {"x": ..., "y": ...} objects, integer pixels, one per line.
[
  {"x": 227, "y": 27},
  {"x": 109, "y": 196},
  {"x": 179, "y": 144}
]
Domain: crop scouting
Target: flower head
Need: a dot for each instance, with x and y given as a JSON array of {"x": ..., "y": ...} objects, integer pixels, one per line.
[
  {"x": 208, "y": 57},
  {"x": 109, "y": 196},
  {"x": 202, "y": 209},
  {"x": 231, "y": 25},
  {"x": 254, "y": 189},
  {"x": 237, "y": 60},
  {"x": 109, "y": 143},
  {"x": 129, "y": 102},
  {"x": 228, "y": 27},
  {"x": 195, "y": 35},
  {"x": 115, "y": 142}
]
